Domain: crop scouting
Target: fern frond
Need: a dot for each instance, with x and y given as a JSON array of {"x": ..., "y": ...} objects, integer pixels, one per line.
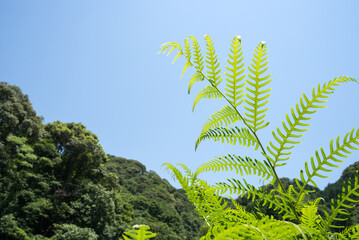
[
  {"x": 259, "y": 229},
  {"x": 293, "y": 128},
  {"x": 234, "y": 81},
  {"x": 170, "y": 46},
  {"x": 324, "y": 162},
  {"x": 176, "y": 174},
  {"x": 257, "y": 96},
  {"x": 351, "y": 232},
  {"x": 213, "y": 70},
  {"x": 235, "y": 186},
  {"x": 140, "y": 234},
  {"x": 232, "y": 136},
  {"x": 240, "y": 232},
  {"x": 309, "y": 216},
  {"x": 196, "y": 77},
  {"x": 239, "y": 214},
  {"x": 232, "y": 162},
  {"x": 197, "y": 54},
  {"x": 224, "y": 116},
  {"x": 187, "y": 54},
  {"x": 208, "y": 92},
  {"x": 345, "y": 200}
]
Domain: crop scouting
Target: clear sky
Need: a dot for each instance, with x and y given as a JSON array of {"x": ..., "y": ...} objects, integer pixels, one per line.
[{"x": 96, "y": 62}]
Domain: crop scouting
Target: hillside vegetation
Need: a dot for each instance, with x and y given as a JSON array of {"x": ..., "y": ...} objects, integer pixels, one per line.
[{"x": 56, "y": 182}]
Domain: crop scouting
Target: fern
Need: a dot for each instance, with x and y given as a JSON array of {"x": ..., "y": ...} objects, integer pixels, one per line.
[
  {"x": 235, "y": 75},
  {"x": 257, "y": 96},
  {"x": 141, "y": 233},
  {"x": 196, "y": 77},
  {"x": 293, "y": 128},
  {"x": 231, "y": 135},
  {"x": 351, "y": 232},
  {"x": 322, "y": 160},
  {"x": 213, "y": 70},
  {"x": 237, "y": 163},
  {"x": 304, "y": 220},
  {"x": 344, "y": 199},
  {"x": 208, "y": 92}
]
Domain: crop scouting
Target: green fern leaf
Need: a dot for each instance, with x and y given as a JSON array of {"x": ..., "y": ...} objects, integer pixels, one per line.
[
  {"x": 323, "y": 161},
  {"x": 208, "y": 92},
  {"x": 257, "y": 97},
  {"x": 224, "y": 116},
  {"x": 351, "y": 232},
  {"x": 232, "y": 136},
  {"x": 196, "y": 77},
  {"x": 197, "y": 54},
  {"x": 293, "y": 128},
  {"x": 309, "y": 216},
  {"x": 170, "y": 46},
  {"x": 141, "y": 234},
  {"x": 276, "y": 200},
  {"x": 176, "y": 174},
  {"x": 234, "y": 86},
  {"x": 232, "y": 162},
  {"x": 213, "y": 70},
  {"x": 345, "y": 200},
  {"x": 187, "y": 54}
]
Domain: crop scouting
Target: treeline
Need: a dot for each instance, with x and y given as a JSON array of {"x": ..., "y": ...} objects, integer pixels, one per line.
[{"x": 56, "y": 182}]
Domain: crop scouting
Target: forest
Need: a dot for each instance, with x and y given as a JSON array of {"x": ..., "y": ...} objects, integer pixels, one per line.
[{"x": 56, "y": 182}]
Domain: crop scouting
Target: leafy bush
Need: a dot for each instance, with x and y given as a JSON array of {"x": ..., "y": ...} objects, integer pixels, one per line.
[
  {"x": 73, "y": 232},
  {"x": 247, "y": 97}
]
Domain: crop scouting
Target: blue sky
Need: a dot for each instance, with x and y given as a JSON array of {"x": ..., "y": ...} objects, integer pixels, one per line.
[{"x": 96, "y": 62}]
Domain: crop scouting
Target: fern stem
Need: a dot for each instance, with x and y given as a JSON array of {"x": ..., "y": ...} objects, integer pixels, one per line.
[{"x": 255, "y": 135}]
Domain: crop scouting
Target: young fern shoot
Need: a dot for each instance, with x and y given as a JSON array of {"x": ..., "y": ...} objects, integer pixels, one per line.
[{"x": 246, "y": 96}]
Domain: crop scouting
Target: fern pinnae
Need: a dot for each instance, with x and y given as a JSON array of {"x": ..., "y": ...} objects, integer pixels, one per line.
[
  {"x": 237, "y": 163},
  {"x": 231, "y": 135},
  {"x": 257, "y": 97},
  {"x": 170, "y": 46},
  {"x": 235, "y": 186},
  {"x": 352, "y": 231},
  {"x": 224, "y": 116},
  {"x": 196, "y": 77},
  {"x": 208, "y": 92},
  {"x": 336, "y": 206},
  {"x": 176, "y": 174},
  {"x": 350, "y": 140},
  {"x": 187, "y": 54},
  {"x": 293, "y": 128},
  {"x": 197, "y": 54},
  {"x": 213, "y": 70},
  {"x": 234, "y": 78}
]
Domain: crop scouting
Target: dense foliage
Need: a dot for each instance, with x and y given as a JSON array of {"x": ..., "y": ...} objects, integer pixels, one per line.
[
  {"x": 299, "y": 215},
  {"x": 56, "y": 182}
]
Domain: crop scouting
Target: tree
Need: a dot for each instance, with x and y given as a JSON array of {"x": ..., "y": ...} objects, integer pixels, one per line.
[
  {"x": 80, "y": 151},
  {"x": 17, "y": 115}
]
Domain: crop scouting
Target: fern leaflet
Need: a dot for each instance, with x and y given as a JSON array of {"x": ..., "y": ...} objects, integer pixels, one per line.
[
  {"x": 336, "y": 150},
  {"x": 257, "y": 96},
  {"x": 197, "y": 55},
  {"x": 232, "y": 162},
  {"x": 141, "y": 234},
  {"x": 196, "y": 77},
  {"x": 234, "y": 86},
  {"x": 292, "y": 128},
  {"x": 225, "y": 115},
  {"x": 213, "y": 72},
  {"x": 232, "y": 135},
  {"x": 343, "y": 200},
  {"x": 208, "y": 92}
]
